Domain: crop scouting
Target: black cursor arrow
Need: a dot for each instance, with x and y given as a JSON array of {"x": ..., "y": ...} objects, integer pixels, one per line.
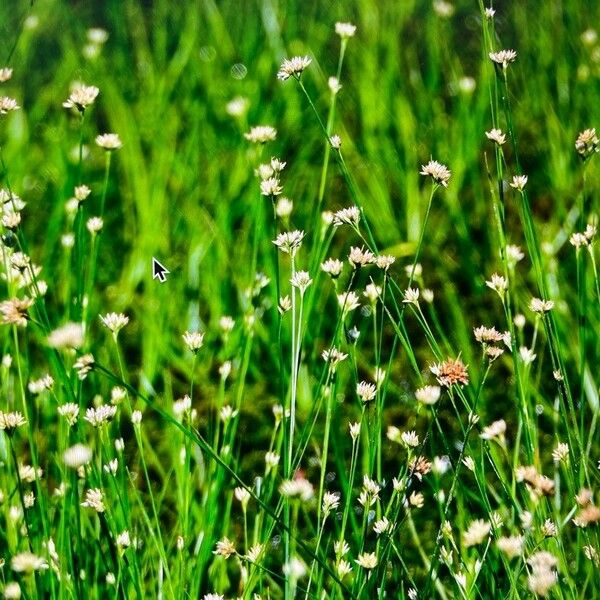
[{"x": 159, "y": 271}]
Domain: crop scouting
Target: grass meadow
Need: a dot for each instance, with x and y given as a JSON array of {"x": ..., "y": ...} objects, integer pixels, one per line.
[{"x": 372, "y": 370}]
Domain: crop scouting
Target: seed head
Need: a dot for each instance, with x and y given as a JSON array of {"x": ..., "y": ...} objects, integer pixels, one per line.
[
  {"x": 77, "y": 456},
  {"x": 347, "y": 216},
  {"x": 193, "y": 340},
  {"x": 366, "y": 391},
  {"x": 519, "y": 182},
  {"x": 503, "y": 57},
  {"x": 70, "y": 411},
  {"x": 437, "y": 171},
  {"x": 94, "y": 498},
  {"x": 8, "y": 105},
  {"x": 123, "y": 540},
  {"x": 579, "y": 240},
  {"x": 333, "y": 267},
  {"x": 496, "y": 136},
  {"x": 514, "y": 254},
  {"x": 498, "y": 283},
  {"x": 11, "y": 421},
  {"x": 14, "y": 311},
  {"x": 272, "y": 460},
  {"x": 511, "y": 546},
  {"x": 487, "y": 335},
  {"x": 360, "y": 257},
  {"x": 382, "y": 526},
  {"x": 385, "y": 261},
  {"x": 561, "y": 452},
  {"x": 451, "y": 372},
  {"x": 5, "y": 74},
  {"x": 26, "y": 562},
  {"x": 255, "y": 553},
  {"x": 11, "y": 220},
  {"x": 410, "y": 439},
  {"x": 541, "y": 306},
  {"x": 587, "y": 143},
  {"x": 589, "y": 515},
  {"x": 416, "y": 499},
  {"x": 285, "y": 305},
  {"x": 367, "y": 560},
  {"x": 284, "y": 207},
  {"x": 242, "y": 495},
  {"x": 538, "y": 484},
  {"x": 114, "y": 321},
  {"x": 237, "y": 107},
  {"x": 345, "y": 30},
  {"x": 100, "y": 415},
  {"x": 428, "y": 394},
  {"x": 496, "y": 430},
  {"x": 411, "y": 296},
  {"x": 372, "y": 292},
  {"x": 543, "y": 576},
  {"x": 548, "y": 529},
  {"x": 334, "y": 357},
  {"x": 260, "y": 134},
  {"x": 109, "y": 141},
  {"x": 270, "y": 187},
  {"x": 348, "y": 301},
  {"x": 334, "y": 85},
  {"x": 394, "y": 434},
  {"x": 301, "y": 280},
  {"x": 293, "y": 67},
  {"x": 94, "y": 225},
  {"x": 12, "y": 591},
  {"x": 343, "y": 568},
  {"x": 527, "y": 355},
  {"x": 330, "y": 502},
  {"x": 289, "y": 241},
  {"x": 443, "y": 9},
  {"x": 81, "y": 97},
  {"x": 299, "y": 488},
  {"x": 476, "y": 533},
  {"x": 82, "y": 192}
]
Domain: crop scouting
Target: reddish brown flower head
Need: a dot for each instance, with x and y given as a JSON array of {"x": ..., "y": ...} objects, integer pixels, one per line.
[{"x": 451, "y": 372}]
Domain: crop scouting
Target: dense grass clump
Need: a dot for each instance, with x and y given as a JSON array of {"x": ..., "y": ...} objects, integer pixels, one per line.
[{"x": 371, "y": 371}]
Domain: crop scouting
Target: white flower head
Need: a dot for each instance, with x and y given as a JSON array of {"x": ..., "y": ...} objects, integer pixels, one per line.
[
  {"x": 519, "y": 182},
  {"x": 301, "y": 280},
  {"x": 77, "y": 456},
  {"x": 428, "y": 394},
  {"x": 437, "y": 171},
  {"x": 81, "y": 97},
  {"x": 347, "y": 216},
  {"x": 293, "y": 67},
  {"x": 498, "y": 283},
  {"x": 366, "y": 391},
  {"x": 193, "y": 340},
  {"x": 114, "y": 321},
  {"x": 260, "y": 134},
  {"x": 345, "y": 30},
  {"x": 289, "y": 241},
  {"x": 503, "y": 57},
  {"x": 270, "y": 187},
  {"x": 109, "y": 141},
  {"x": 496, "y": 136}
]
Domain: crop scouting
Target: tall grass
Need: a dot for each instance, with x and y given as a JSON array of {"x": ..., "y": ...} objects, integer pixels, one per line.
[{"x": 371, "y": 370}]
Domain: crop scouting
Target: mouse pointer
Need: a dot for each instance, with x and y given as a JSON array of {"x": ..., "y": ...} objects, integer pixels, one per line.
[{"x": 159, "y": 271}]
